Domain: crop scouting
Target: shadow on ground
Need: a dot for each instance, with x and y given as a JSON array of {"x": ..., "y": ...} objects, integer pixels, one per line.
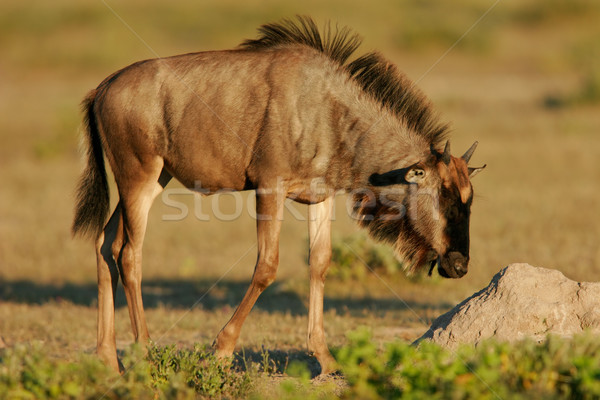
[
  {"x": 275, "y": 361},
  {"x": 204, "y": 294}
]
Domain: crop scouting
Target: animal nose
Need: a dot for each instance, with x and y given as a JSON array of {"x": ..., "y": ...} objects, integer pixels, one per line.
[
  {"x": 453, "y": 265},
  {"x": 458, "y": 262}
]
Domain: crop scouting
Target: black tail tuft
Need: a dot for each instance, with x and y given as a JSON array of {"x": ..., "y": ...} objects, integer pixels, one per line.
[{"x": 93, "y": 198}]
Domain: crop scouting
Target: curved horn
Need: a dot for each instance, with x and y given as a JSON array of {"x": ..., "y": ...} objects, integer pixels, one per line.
[
  {"x": 469, "y": 153},
  {"x": 446, "y": 154}
]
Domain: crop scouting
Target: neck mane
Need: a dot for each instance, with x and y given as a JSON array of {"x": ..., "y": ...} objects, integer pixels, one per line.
[{"x": 375, "y": 75}]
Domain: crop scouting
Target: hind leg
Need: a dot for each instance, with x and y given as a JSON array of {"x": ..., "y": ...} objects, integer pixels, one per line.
[
  {"x": 110, "y": 248},
  {"x": 108, "y": 276},
  {"x": 136, "y": 200}
]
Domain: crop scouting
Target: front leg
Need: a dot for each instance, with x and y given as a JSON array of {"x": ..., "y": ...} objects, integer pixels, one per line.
[
  {"x": 319, "y": 228},
  {"x": 269, "y": 209}
]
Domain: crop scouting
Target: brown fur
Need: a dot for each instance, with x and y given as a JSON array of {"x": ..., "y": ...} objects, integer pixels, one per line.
[{"x": 456, "y": 174}]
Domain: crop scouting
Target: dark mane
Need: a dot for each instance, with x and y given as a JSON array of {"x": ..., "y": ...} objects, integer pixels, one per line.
[
  {"x": 393, "y": 89},
  {"x": 377, "y": 76},
  {"x": 338, "y": 45}
]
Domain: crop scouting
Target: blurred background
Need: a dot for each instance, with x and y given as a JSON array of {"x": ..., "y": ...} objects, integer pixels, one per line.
[{"x": 521, "y": 77}]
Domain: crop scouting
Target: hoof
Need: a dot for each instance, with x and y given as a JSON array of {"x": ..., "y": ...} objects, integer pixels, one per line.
[{"x": 109, "y": 358}]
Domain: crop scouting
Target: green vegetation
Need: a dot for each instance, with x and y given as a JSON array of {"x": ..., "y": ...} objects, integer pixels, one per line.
[
  {"x": 556, "y": 369},
  {"x": 29, "y": 373},
  {"x": 355, "y": 256},
  {"x": 198, "y": 369}
]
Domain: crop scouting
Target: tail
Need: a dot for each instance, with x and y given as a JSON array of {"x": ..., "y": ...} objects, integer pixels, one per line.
[{"x": 93, "y": 198}]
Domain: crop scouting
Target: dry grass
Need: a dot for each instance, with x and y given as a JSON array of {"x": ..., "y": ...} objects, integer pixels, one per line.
[{"x": 537, "y": 201}]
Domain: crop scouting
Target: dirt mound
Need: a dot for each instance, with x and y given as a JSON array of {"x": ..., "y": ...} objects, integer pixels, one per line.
[{"x": 521, "y": 301}]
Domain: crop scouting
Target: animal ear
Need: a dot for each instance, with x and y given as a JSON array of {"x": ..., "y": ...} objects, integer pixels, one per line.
[
  {"x": 475, "y": 171},
  {"x": 415, "y": 175}
]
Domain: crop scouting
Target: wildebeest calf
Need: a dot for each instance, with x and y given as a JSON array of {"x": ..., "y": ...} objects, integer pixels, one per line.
[{"x": 287, "y": 116}]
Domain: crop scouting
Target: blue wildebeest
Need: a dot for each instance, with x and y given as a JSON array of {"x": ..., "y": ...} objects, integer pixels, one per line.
[{"x": 274, "y": 115}]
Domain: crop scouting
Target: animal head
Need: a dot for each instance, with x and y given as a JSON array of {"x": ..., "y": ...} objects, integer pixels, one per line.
[{"x": 423, "y": 210}]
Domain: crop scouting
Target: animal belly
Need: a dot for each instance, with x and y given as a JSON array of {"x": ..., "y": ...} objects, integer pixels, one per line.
[{"x": 208, "y": 173}]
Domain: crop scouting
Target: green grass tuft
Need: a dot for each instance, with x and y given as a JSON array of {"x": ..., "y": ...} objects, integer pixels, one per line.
[{"x": 355, "y": 256}]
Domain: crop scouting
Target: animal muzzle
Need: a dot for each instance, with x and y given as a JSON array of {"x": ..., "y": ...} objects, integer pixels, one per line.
[{"x": 453, "y": 265}]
